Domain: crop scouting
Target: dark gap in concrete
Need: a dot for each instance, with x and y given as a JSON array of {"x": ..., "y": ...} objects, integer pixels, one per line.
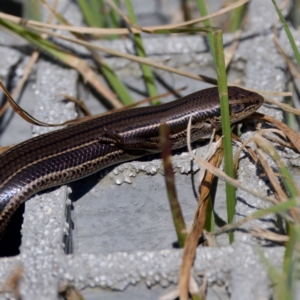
[
  {"x": 11, "y": 241},
  {"x": 12, "y": 8}
]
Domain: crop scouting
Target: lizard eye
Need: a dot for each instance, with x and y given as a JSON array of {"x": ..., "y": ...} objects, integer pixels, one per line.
[{"x": 237, "y": 108}]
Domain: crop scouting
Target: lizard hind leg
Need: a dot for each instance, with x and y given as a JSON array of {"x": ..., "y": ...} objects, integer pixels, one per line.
[{"x": 130, "y": 143}]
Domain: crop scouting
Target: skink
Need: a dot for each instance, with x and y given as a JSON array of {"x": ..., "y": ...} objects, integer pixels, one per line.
[{"x": 81, "y": 149}]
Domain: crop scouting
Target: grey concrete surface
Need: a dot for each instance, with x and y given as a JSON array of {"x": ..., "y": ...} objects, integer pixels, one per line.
[
  {"x": 11, "y": 59},
  {"x": 111, "y": 235},
  {"x": 228, "y": 266}
]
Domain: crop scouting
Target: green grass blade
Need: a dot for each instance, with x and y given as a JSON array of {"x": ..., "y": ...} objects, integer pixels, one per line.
[
  {"x": 97, "y": 12},
  {"x": 209, "y": 222},
  {"x": 91, "y": 12},
  {"x": 287, "y": 178},
  {"x": 288, "y": 33},
  {"x": 33, "y": 10},
  {"x": 115, "y": 83},
  {"x": 84, "y": 6},
  {"x": 34, "y": 39},
  {"x": 223, "y": 92},
  {"x": 289, "y": 263},
  {"x": 147, "y": 72},
  {"x": 166, "y": 154},
  {"x": 289, "y": 117},
  {"x": 203, "y": 11},
  {"x": 236, "y": 18},
  {"x": 114, "y": 20},
  {"x": 280, "y": 208},
  {"x": 272, "y": 271},
  {"x": 63, "y": 56}
]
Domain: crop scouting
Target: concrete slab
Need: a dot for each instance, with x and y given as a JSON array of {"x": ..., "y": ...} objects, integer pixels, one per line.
[{"x": 111, "y": 235}]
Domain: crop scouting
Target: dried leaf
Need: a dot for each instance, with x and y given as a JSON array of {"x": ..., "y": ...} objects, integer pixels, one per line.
[
  {"x": 269, "y": 235},
  {"x": 198, "y": 223},
  {"x": 289, "y": 132},
  {"x": 24, "y": 114}
]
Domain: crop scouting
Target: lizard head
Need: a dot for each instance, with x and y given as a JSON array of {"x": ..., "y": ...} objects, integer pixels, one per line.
[{"x": 242, "y": 103}]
